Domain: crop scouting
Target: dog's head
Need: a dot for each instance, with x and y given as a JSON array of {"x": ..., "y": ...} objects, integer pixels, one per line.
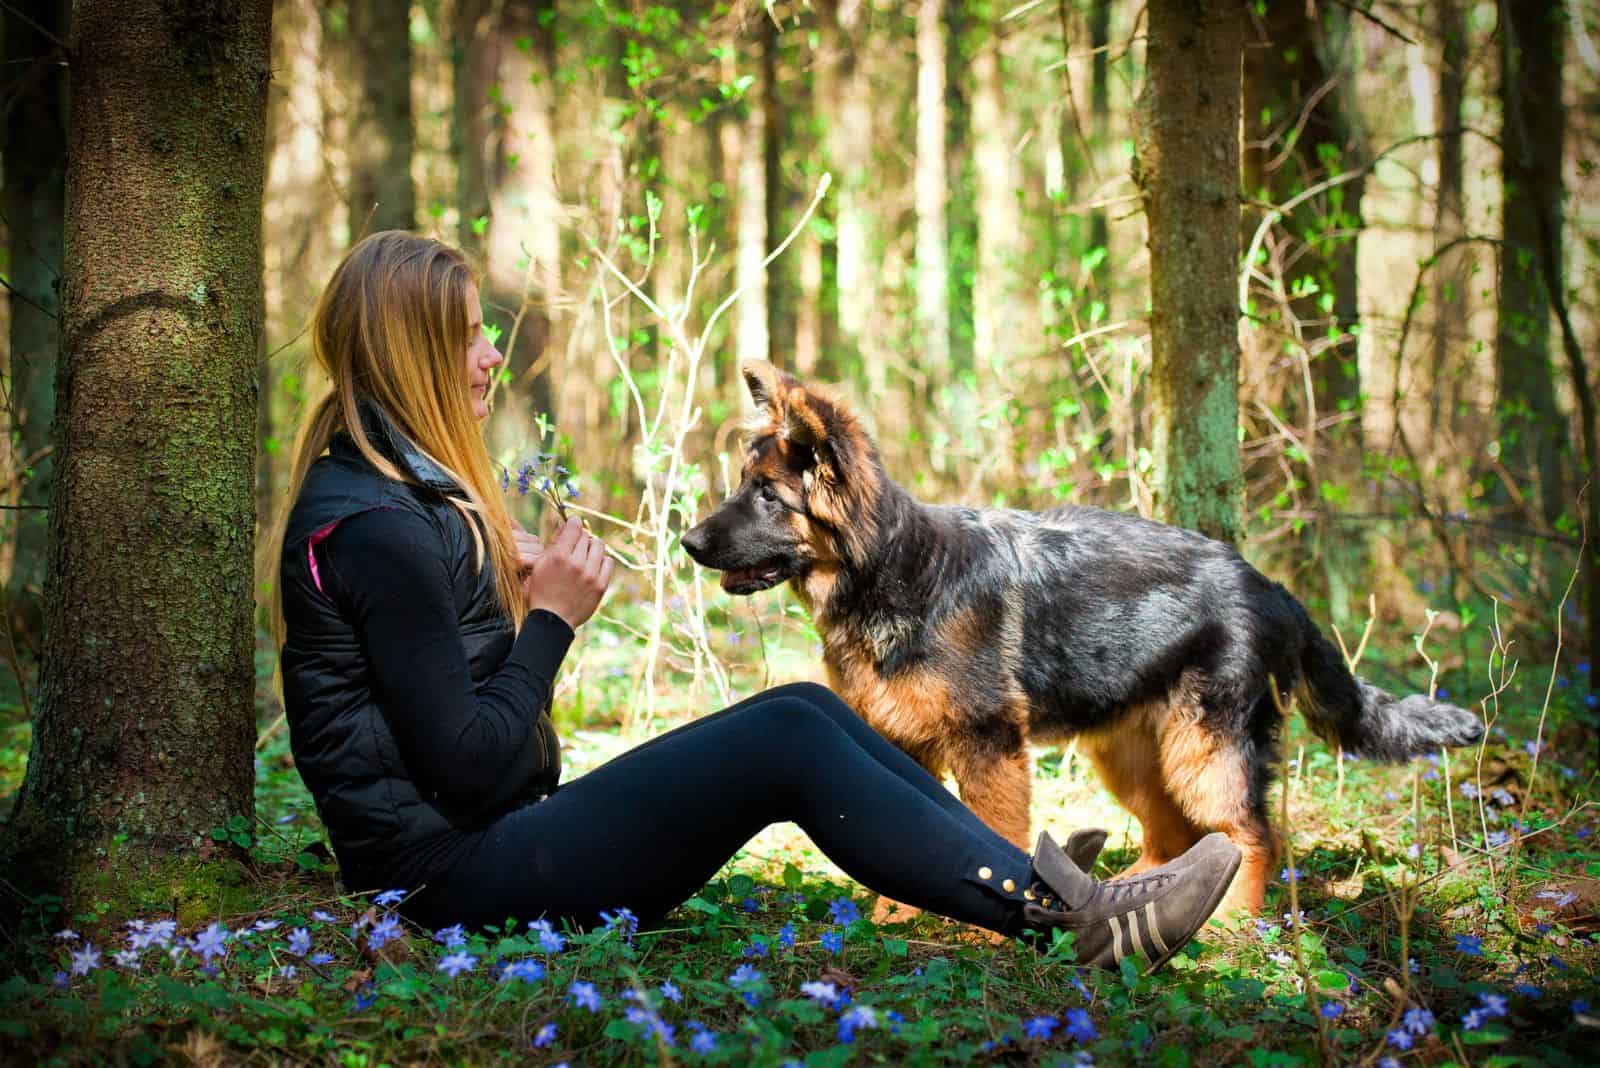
[{"x": 805, "y": 491}]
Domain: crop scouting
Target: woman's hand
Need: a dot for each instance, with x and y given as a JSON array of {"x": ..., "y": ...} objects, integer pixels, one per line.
[
  {"x": 568, "y": 576},
  {"x": 528, "y": 547}
]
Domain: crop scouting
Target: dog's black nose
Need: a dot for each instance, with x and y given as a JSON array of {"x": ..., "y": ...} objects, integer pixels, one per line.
[{"x": 695, "y": 542}]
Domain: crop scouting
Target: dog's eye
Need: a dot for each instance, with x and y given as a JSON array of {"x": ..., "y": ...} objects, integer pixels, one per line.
[{"x": 768, "y": 493}]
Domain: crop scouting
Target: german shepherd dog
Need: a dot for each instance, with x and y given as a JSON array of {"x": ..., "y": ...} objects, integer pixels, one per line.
[{"x": 960, "y": 633}]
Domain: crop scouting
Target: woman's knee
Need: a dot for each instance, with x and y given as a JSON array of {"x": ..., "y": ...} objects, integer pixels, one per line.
[{"x": 815, "y": 694}]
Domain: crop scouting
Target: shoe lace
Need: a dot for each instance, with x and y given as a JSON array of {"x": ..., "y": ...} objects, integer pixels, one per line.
[{"x": 1122, "y": 889}]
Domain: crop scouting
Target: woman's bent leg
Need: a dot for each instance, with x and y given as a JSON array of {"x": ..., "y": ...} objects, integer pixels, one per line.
[{"x": 648, "y": 829}]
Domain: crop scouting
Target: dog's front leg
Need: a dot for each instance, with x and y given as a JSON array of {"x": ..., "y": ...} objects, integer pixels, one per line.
[{"x": 998, "y": 787}]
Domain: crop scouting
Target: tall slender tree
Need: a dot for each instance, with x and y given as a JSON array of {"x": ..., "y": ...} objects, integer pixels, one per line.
[
  {"x": 1533, "y": 433},
  {"x": 35, "y": 169},
  {"x": 932, "y": 190},
  {"x": 1301, "y": 133},
  {"x": 143, "y": 735},
  {"x": 1450, "y": 275},
  {"x": 1187, "y": 169},
  {"x": 382, "y": 134}
]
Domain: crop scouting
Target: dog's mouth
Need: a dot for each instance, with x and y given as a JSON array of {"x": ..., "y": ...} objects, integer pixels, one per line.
[{"x": 743, "y": 581}]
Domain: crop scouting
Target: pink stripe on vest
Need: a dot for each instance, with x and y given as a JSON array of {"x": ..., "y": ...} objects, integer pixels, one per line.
[{"x": 311, "y": 553}]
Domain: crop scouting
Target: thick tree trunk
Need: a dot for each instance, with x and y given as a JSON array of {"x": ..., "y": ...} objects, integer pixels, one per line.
[
  {"x": 1533, "y": 432},
  {"x": 35, "y": 169},
  {"x": 381, "y": 134},
  {"x": 932, "y": 189},
  {"x": 1188, "y": 171},
  {"x": 1300, "y": 130},
  {"x": 143, "y": 736}
]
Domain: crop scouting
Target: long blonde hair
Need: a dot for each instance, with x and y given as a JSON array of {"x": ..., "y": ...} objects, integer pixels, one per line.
[{"x": 391, "y": 326}]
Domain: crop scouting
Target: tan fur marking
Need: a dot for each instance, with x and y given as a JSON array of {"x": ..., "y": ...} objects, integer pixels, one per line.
[
  {"x": 999, "y": 789},
  {"x": 1128, "y": 758}
]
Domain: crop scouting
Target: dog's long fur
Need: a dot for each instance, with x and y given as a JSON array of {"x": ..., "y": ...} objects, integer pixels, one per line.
[{"x": 960, "y": 633}]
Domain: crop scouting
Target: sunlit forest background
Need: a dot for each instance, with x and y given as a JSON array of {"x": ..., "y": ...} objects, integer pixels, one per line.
[
  {"x": 935, "y": 207},
  {"x": 941, "y": 210}
]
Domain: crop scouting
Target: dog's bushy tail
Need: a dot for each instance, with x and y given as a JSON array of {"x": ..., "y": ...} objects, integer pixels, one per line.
[{"x": 1366, "y": 721}]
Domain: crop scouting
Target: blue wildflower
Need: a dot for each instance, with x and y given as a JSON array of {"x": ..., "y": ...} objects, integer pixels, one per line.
[
  {"x": 60, "y": 980},
  {"x": 1040, "y": 1027},
  {"x": 1473, "y": 1019},
  {"x": 299, "y": 941},
  {"x": 584, "y": 996},
  {"x": 786, "y": 936},
  {"x": 1468, "y": 790},
  {"x": 1580, "y": 1006},
  {"x": 844, "y": 911},
  {"x": 545, "y": 1036},
  {"x": 1471, "y": 945},
  {"x": 623, "y": 920},
  {"x": 456, "y": 963},
  {"x": 451, "y": 937},
  {"x": 127, "y": 958},
  {"x": 322, "y": 917},
  {"x": 320, "y": 958},
  {"x": 1079, "y": 1026},
  {"x": 826, "y": 993},
  {"x": 551, "y": 942},
  {"x": 212, "y": 942},
  {"x": 1496, "y": 839},
  {"x": 365, "y": 996},
  {"x": 389, "y": 897},
  {"x": 703, "y": 1042},
  {"x": 1291, "y": 873},
  {"x": 1527, "y": 990},
  {"x": 1401, "y": 1039},
  {"x": 832, "y": 941},
  {"x": 744, "y": 974},
  {"x": 85, "y": 960},
  {"x": 859, "y": 1018},
  {"x": 262, "y": 926},
  {"x": 756, "y": 948},
  {"x": 527, "y": 970},
  {"x": 750, "y": 904},
  {"x": 1332, "y": 1010},
  {"x": 388, "y": 929}
]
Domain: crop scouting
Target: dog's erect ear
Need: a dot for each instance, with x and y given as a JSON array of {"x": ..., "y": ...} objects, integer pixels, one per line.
[{"x": 766, "y": 384}]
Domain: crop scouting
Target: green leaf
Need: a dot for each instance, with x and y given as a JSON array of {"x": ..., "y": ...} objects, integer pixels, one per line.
[
  {"x": 895, "y": 947},
  {"x": 792, "y": 877}
]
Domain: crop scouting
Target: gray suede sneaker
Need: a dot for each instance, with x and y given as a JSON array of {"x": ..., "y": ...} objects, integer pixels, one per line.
[
  {"x": 1149, "y": 916},
  {"x": 1083, "y": 847}
]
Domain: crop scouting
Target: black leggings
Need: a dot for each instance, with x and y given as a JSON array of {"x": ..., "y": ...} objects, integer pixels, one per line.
[{"x": 646, "y": 830}]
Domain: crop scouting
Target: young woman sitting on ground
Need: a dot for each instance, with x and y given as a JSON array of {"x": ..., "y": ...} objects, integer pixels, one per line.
[{"x": 421, "y": 632}]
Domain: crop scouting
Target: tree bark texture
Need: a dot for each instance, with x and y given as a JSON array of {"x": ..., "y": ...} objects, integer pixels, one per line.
[
  {"x": 1188, "y": 173},
  {"x": 1533, "y": 433},
  {"x": 144, "y": 732},
  {"x": 381, "y": 134},
  {"x": 35, "y": 170}
]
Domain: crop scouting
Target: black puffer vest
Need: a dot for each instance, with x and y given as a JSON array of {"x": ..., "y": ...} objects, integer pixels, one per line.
[{"x": 384, "y": 831}]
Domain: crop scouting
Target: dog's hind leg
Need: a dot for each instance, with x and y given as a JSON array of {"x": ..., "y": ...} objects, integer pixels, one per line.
[
  {"x": 1208, "y": 774},
  {"x": 998, "y": 787},
  {"x": 1129, "y": 765}
]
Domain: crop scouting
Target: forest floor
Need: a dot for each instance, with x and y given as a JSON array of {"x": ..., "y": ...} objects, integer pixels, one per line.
[{"x": 1449, "y": 914}]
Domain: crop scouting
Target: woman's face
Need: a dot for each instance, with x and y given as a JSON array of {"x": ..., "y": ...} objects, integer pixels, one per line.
[{"x": 482, "y": 356}]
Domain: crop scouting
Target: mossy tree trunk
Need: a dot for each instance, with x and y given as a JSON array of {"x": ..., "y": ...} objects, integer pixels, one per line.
[
  {"x": 1301, "y": 131},
  {"x": 381, "y": 133},
  {"x": 1534, "y": 437},
  {"x": 35, "y": 169},
  {"x": 143, "y": 736},
  {"x": 1187, "y": 169}
]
